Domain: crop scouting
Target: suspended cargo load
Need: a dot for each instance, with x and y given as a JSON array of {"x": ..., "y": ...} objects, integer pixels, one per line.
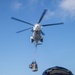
[{"x": 33, "y": 66}]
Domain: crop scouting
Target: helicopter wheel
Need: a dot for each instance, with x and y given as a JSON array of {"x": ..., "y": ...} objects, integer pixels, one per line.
[
  {"x": 41, "y": 40},
  {"x": 31, "y": 39}
]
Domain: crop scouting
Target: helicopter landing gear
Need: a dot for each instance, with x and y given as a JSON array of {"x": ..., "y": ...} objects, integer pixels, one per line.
[
  {"x": 31, "y": 39},
  {"x": 41, "y": 39}
]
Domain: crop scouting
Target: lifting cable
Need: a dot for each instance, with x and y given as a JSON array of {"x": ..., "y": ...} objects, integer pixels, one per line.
[{"x": 35, "y": 52}]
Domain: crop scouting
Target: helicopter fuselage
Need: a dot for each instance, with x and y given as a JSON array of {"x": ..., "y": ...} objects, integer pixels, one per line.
[
  {"x": 36, "y": 37},
  {"x": 36, "y": 29}
]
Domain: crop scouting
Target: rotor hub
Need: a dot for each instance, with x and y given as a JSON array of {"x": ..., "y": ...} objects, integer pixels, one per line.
[{"x": 37, "y": 27}]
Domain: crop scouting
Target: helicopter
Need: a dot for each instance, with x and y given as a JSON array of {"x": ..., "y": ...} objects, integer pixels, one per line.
[{"x": 36, "y": 29}]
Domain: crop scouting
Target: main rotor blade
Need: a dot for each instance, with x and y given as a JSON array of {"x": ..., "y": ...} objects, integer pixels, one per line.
[
  {"x": 44, "y": 12},
  {"x": 42, "y": 32},
  {"x": 24, "y": 30},
  {"x": 21, "y": 21},
  {"x": 52, "y": 24}
]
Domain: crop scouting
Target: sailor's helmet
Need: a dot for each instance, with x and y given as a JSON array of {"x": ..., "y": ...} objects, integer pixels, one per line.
[{"x": 57, "y": 71}]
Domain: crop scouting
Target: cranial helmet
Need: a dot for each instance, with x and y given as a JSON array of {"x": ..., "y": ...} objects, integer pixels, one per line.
[{"x": 57, "y": 71}]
